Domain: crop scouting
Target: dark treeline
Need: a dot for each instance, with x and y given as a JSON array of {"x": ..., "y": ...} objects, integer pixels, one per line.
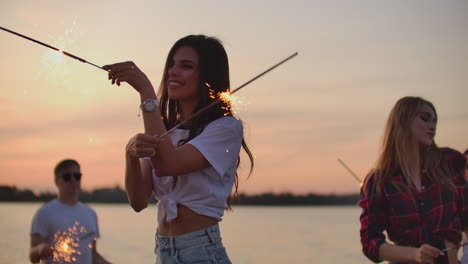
[
  {"x": 293, "y": 199},
  {"x": 117, "y": 195}
]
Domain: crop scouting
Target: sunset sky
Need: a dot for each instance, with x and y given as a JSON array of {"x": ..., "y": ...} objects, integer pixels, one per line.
[{"x": 356, "y": 59}]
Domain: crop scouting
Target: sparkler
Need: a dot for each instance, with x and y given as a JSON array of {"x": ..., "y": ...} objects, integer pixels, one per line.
[
  {"x": 352, "y": 173},
  {"x": 455, "y": 247},
  {"x": 66, "y": 243},
  {"x": 51, "y": 47},
  {"x": 226, "y": 96}
]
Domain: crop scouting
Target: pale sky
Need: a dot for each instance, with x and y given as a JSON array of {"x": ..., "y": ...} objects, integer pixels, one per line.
[{"x": 356, "y": 59}]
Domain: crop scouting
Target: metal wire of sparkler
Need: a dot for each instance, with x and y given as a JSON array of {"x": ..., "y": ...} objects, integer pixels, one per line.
[
  {"x": 51, "y": 47},
  {"x": 85, "y": 236},
  {"x": 455, "y": 247},
  {"x": 350, "y": 171},
  {"x": 218, "y": 100}
]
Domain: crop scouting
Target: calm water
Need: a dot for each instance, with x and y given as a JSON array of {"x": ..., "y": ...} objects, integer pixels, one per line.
[{"x": 251, "y": 234}]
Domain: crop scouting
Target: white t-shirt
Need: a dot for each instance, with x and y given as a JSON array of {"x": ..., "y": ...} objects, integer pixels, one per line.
[
  {"x": 204, "y": 191},
  {"x": 70, "y": 230}
]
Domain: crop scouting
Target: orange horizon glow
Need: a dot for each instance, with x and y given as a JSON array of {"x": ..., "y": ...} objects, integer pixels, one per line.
[{"x": 330, "y": 102}]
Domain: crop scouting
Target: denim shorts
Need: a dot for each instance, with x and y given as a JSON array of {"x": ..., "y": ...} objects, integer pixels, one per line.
[{"x": 201, "y": 247}]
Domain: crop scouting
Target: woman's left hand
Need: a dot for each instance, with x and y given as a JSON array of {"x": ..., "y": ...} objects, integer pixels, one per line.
[
  {"x": 142, "y": 145},
  {"x": 128, "y": 72}
]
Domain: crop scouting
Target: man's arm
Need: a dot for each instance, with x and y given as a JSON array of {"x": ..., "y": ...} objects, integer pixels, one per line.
[
  {"x": 97, "y": 258},
  {"x": 40, "y": 248}
]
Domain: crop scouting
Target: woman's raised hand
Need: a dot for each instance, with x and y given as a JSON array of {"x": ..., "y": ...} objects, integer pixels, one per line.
[
  {"x": 128, "y": 72},
  {"x": 143, "y": 145}
]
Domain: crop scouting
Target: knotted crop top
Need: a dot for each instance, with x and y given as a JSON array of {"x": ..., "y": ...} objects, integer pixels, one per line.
[{"x": 204, "y": 191}]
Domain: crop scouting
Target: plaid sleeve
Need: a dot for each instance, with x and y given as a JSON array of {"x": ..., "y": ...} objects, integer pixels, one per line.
[
  {"x": 456, "y": 162},
  {"x": 372, "y": 220}
]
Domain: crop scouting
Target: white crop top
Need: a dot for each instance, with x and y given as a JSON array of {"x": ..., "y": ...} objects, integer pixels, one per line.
[{"x": 204, "y": 191}]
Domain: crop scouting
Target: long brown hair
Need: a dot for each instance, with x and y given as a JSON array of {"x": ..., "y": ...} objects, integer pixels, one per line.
[
  {"x": 214, "y": 79},
  {"x": 399, "y": 149}
]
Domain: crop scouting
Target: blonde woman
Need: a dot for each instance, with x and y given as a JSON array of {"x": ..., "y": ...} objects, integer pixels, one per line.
[{"x": 416, "y": 192}]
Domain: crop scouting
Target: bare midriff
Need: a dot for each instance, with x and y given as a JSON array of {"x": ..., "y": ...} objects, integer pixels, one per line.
[{"x": 186, "y": 221}]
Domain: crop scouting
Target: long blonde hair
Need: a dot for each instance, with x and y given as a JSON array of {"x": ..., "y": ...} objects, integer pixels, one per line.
[{"x": 399, "y": 151}]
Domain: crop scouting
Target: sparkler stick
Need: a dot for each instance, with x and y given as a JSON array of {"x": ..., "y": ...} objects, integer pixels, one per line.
[
  {"x": 85, "y": 236},
  {"x": 455, "y": 247},
  {"x": 350, "y": 171},
  {"x": 54, "y": 48},
  {"x": 218, "y": 100}
]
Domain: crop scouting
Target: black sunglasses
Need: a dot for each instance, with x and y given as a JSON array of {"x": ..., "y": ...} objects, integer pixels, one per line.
[{"x": 67, "y": 176}]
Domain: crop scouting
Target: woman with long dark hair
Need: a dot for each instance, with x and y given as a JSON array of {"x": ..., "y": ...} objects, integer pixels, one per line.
[
  {"x": 416, "y": 192},
  {"x": 193, "y": 171}
]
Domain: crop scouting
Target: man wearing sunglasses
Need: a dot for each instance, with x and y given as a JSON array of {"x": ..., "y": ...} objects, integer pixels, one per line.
[{"x": 65, "y": 230}]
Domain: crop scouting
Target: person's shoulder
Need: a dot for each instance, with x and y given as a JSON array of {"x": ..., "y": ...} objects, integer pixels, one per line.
[
  {"x": 375, "y": 173},
  {"x": 369, "y": 180},
  {"x": 450, "y": 151},
  {"x": 46, "y": 208},
  {"x": 50, "y": 204},
  {"x": 452, "y": 154},
  {"x": 87, "y": 210},
  {"x": 86, "y": 207},
  {"x": 455, "y": 163},
  {"x": 227, "y": 122},
  {"x": 378, "y": 179}
]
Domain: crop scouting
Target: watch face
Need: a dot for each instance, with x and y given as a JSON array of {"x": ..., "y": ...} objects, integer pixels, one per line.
[{"x": 149, "y": 106}]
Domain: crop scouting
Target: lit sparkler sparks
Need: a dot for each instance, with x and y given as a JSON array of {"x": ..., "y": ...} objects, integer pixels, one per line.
[
  {"x": 226, "y": 97},
  {"x": 66, "y": 243},
  {"x": 233, "y": 103},
  {"x": 56, "y": 67}
]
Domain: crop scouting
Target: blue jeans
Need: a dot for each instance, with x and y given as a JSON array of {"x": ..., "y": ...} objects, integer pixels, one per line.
[{"x": 200, "y": 247}]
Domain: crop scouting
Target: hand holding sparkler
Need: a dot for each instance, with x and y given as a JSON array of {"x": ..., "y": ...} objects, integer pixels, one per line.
[
  {"x": 427, "y": 254},
  {"x": 464, "y": 243},
  {"x": 142, "y": 145},
  {"x": 44, "y": 250},
  {"x": 128, "y": 72}
]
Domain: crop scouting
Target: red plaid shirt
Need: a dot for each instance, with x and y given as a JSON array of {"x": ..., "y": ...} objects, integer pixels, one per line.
[{"x": 411, "y": 219}]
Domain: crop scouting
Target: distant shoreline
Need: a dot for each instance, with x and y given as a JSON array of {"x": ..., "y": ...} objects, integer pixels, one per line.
[
  {"x": 242, "y": 205},
  {"x": 117, "y": 195}
]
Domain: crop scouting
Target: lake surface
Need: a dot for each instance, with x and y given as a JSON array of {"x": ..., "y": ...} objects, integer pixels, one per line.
[{"x": 251, "y": 234}]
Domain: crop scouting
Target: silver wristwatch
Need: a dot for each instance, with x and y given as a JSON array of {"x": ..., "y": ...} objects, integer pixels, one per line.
[{"x": 149, "y": 105}]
